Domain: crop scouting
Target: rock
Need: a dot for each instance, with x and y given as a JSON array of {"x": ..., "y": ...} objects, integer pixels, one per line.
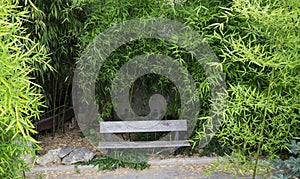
[
  {"x": 79, "y": 155},
  {"x": 68, "y": 155},
  {"x": 50, "y": 158},
  {"x": 65, "y": 151}
]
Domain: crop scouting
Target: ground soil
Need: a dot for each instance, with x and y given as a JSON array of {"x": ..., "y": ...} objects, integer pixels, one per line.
[{"x": 71, "y": 137}]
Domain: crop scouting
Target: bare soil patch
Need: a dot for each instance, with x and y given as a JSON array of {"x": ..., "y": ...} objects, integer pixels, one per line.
[{"x": 71, "y": 137}]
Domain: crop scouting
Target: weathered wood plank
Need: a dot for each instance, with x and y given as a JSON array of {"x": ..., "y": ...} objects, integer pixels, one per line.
[
  {"x": 143, "y": 126},
  {"x": 142, "y": 144}
]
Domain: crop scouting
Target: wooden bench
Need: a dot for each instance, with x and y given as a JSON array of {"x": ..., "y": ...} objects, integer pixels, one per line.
[{"x": 114, "y": 127}]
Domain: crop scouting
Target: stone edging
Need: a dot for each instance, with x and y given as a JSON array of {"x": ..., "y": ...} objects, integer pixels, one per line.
[{"x": 172, "y": 161}]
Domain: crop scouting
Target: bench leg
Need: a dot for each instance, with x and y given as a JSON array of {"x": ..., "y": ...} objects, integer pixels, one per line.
[
  {"x": 108, "y": 139},
  {"x": 176, "y": 138}
]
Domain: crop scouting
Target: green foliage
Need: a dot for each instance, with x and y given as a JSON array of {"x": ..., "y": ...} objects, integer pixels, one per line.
[
  {"x": 214, "y": 148},
  {"x": 112, "y": 12},
  {"x": 289, "y": 168},
  {"x": 56, "y": 25},
  {"x": 20, "y": 98},
  {"x": 263, "y": 101},
  {"x": 117, "y": 160},
  {"x": 238, "y": 168},
  {"x": 258, "y": 44}
]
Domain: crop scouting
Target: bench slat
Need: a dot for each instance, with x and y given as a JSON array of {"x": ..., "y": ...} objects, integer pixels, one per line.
[
  {"x": 142, "y": 144},
  {"x": 143, "y": 126}
]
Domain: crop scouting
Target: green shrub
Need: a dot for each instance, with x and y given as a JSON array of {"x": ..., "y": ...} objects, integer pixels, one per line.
[
  {"x": 258, "y": 44},
  {"x": 104, "y": 14},
  {"x": 56, "y": 25},
  {"x": 262, "y": 65},
  {"x": 119, "y": 160},
  {"x": 257, "y": 69},
  {"x": 20, "y": 99},
  {"x": 289, "y": 168}
]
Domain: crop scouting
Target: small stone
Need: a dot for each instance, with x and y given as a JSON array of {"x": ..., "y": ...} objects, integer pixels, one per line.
[
  {"x": 65, "y": 151},
  {"x": 50, "y": 158},
  {"x": 79, "y": 155}
]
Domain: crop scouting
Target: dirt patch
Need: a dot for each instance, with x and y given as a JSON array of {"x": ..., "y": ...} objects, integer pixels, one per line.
[{"x": 71, "y": 137}]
